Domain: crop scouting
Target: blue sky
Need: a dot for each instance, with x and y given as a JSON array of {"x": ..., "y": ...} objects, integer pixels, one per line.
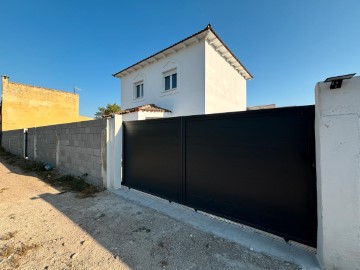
[{"x": 287, "y": 45}]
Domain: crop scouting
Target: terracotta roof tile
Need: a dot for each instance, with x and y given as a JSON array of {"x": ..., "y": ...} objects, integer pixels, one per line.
[{"x": 145, "y": 108}]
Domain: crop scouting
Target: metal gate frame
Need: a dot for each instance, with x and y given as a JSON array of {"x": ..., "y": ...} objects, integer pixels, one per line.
[{"x": 178, "y": 127}]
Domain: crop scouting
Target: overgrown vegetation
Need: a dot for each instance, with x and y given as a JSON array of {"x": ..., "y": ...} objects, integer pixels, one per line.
[{"x": 53, "y": 177}]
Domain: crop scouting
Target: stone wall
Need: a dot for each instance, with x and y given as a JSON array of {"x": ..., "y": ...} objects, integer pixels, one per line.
[{"x": 75, "y": 148}]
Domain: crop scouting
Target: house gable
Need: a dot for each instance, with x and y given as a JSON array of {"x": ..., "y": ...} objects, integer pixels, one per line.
[
  {"x": 207, "y": 33},
  {"x": 197, "y": 75}
]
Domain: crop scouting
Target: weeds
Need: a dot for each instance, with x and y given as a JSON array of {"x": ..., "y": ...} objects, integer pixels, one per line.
[
  {"x": 66, "y": 182},
  {"x": 78, "y": 184},
  {"x": 11, "y": 253}
]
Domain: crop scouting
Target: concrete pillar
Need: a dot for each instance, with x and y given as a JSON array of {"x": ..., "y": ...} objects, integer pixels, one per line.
[
  {"x": 337, "y": 135},
  {"x": 25, "y": 142},
  {"x": 35, "y": 144},
  {"x": 114, "y": 152}
]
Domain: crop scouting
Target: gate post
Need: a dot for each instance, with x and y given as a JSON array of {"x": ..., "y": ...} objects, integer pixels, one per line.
[
  {"x": 337, "y": 136},
  {"x": 114, "y": 152}
]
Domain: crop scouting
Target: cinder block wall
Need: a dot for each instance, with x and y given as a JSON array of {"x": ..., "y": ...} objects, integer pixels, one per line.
[
  {"x": 46, "y": 144},
  {"x": 13, "y": 141},
  {"x": 75, "y": 148}
]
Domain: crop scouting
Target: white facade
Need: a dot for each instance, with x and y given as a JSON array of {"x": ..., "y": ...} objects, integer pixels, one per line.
[
  {"x": 209, "y": 78},
  {"x": 225, "y": 88},
  {"x": 188, "y": 98}
]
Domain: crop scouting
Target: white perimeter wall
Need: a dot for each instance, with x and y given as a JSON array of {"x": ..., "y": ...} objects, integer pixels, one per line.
[
  {"x": 188, "y": 99},
  {"x": 143, "y": 115},
  {"x": 225, "y": 88},
  {"x": 337, "y": 129}
]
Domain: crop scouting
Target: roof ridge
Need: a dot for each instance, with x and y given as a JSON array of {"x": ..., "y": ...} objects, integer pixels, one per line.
[
  {"x": 146, "y": 107},
  {"x": 207, "y": 28}
]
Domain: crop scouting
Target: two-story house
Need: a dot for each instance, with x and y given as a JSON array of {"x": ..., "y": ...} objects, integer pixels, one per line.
[{"x": 197, "y": 75}]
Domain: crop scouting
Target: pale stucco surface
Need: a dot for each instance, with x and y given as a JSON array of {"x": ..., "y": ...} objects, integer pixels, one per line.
[
  {"x": 25, "y": 106},
  {"x": 338, "y": 174},
  {"x": 225, "y": 88}
]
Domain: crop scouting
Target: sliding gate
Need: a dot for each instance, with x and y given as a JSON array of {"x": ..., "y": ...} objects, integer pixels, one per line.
[{"x": 254, "y": 167}]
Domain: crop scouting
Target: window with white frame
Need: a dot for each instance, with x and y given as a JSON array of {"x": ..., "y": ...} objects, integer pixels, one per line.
[
  {"x": 139, "y": 90},
  {"x": 170, "y": 80}
]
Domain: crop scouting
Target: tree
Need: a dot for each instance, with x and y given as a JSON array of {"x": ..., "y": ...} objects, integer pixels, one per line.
[{"x": 108, "y": 110}]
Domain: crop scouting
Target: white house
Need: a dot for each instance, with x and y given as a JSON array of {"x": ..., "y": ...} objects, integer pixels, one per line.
[{"x": 197, "y": 75}]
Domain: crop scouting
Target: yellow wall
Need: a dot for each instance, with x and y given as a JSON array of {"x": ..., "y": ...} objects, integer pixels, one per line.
[{"x": 25, "y": 106}]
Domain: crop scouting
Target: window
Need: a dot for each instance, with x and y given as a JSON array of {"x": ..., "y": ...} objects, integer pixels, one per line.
[
  {"x": 170, "y": 80},
  {"x": 139, "y": 90}
]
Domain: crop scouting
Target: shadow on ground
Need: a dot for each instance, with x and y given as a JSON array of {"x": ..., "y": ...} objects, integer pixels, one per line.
[{"x": 142, "y": 238}]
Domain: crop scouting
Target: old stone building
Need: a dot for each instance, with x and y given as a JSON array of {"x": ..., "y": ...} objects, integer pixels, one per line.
[{"x": 25, "y": 106}]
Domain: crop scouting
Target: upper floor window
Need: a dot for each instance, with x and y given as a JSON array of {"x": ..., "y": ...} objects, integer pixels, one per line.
[
  {"x": 139, "y": 90},
  {"x": 170, "y": 80}
]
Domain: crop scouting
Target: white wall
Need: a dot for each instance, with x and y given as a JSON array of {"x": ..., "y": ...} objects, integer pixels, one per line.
[
  {"x": 152, "y": 115},
  {"x": 188, "y": 99},
  {"x": 114, "y": 152},
  {"x": 225, "y": 88},
  {"x": 143, "y": 115},
  {"x": 130, "y": 116},
  {"x": 337, "y": 129}
]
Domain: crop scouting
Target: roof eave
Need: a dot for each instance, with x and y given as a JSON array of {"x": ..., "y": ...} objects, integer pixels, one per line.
[
  {"x": 232, "y": 54},
  {"x": 183, "y": 43}
]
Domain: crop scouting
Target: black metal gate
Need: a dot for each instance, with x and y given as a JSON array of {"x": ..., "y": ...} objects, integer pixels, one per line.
[{"x": 254, "y": 167}]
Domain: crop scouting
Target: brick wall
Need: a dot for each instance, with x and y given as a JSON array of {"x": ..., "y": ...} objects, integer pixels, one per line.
[{"x": 75, "y": 148}]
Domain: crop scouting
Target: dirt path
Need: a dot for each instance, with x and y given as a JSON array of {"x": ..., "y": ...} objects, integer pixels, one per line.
[{"x": 42, "y": 228}]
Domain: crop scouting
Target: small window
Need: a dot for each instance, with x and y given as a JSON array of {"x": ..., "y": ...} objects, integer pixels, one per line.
[
  {"x": 167, "y": 83},
  {"x": 139, "y": 90},
  {"x": 170, "y": 80},
  {"x": 174, "y": 80}
]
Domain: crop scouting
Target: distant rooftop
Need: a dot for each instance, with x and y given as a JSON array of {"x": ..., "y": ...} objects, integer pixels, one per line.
[{"x": 261, "y": 107}]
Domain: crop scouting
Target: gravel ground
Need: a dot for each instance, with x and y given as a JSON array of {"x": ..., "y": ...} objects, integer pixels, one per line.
[{"x": 44, "y": 228}]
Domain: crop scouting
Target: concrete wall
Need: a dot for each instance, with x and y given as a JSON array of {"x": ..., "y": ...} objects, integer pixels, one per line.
[
  {"x": 114, "y": 152},
  {"x": 13, "y": 142},
  {"x": 225, "y": 88},
  {"x": 26, "y": 106},
  {"x": 75, "y": 148},
  {"x": 337, "y": 128},
  {"x": 187, "y": 99}
]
